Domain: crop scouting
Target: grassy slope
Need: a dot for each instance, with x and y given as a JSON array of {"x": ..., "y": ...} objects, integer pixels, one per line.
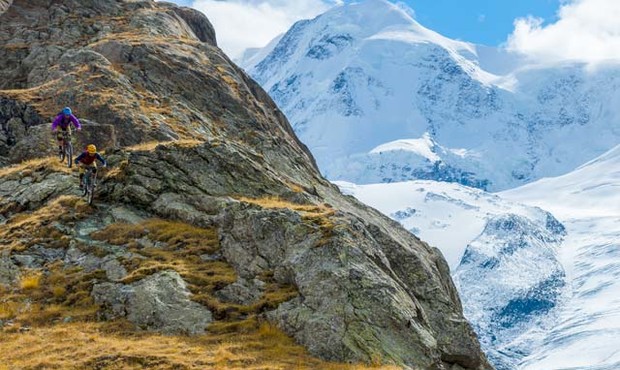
[{"x": 37, "y": 307}]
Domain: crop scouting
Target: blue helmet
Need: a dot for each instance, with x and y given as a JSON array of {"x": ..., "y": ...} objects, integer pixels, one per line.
[{"x": 66, "y": 111}]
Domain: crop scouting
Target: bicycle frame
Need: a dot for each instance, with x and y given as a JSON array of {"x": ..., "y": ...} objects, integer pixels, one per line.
[{"x": 67, "y": 148}]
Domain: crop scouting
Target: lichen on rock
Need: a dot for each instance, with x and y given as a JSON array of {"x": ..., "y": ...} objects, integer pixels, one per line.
[{"x": 159, "y": 302}]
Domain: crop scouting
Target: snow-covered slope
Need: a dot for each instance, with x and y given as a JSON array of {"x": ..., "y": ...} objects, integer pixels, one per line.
[
  {"x": 365, "y": 75},
  {"x": 587, "y": 201},
  {"x": 503, "y": 256}
]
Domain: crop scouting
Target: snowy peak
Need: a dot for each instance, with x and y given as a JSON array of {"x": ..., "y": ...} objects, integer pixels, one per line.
[
  {"x": 378, "y": 19},
  {"x": 375, "y": 14},
  {"x": 354, "y": 25}
]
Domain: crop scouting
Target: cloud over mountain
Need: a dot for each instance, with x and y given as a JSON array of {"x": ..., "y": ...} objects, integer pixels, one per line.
[{"x": 587, "y": 31}]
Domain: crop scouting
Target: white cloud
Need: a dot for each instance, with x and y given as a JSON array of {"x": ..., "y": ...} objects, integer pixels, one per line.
[
  {"x": 586, "y": 31},
  {"x": 242, "y": 24}
]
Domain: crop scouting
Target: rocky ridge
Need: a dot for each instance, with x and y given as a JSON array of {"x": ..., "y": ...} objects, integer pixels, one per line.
[{"x": 213, "y": 214}]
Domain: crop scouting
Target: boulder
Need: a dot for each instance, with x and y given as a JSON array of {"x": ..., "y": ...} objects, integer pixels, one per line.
[{"x": 159, "y": 302}]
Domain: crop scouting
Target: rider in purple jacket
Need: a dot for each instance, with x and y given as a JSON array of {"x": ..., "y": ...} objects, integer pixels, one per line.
[{"x": 63, "y": 122}]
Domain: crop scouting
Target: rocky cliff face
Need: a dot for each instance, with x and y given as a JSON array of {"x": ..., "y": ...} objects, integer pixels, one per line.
[{"x": 213, "y": 214}]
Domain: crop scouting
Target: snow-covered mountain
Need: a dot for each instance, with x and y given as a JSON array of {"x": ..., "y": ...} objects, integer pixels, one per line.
[
  {"x": 504, "y": 257},
  {"x": 587, "y": 201},
  {"x": 379, "y": 98}
]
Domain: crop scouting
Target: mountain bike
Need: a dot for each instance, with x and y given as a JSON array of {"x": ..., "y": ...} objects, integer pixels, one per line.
[
  {"x": 90, "y": 183},
  {"x": 67, "y": 148}
]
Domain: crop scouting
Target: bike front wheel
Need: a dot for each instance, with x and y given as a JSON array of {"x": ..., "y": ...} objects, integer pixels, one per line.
[
  {"x": 91, "y": 188},
  {"x": 69, "y": 155},
  {"x": 86, "y": 183},
  {"x": 62, "y": 153}
]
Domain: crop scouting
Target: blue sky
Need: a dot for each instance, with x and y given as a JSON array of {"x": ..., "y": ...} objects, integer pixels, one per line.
[
  {"x": 487, "y": 22},
  {"x": 547, "y": 30}
]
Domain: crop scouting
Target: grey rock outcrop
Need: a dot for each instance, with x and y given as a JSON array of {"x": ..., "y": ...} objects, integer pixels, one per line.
[
  {"x": 225, "y": 158},
  {"x": 159, "y": 302},
  {"x": 242, "y": 292},
  {"x": 15, "y": 120},
  {"x": 8, "y": 271},
  {"x": 198, "y": 22},
  {"x": 113, "y": 269}
]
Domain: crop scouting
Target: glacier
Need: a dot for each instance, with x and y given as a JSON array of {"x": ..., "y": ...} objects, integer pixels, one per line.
[{"x": 587, "y": 201}]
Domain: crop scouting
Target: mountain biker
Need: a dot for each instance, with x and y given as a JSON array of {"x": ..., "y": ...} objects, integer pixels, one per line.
[
  {"x": 64, "y": 120},
  {"x": 88, "y": 160}
]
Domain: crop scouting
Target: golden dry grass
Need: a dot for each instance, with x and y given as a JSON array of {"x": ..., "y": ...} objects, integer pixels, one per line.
[
  {"x": 151, "y": 145},
  {"x": 295, "y": 188},
  {"x": 17, "y": 46},
  {"x": 30, "y": 281},
  {"x": 274, "y": 202},
  {"x": 175, "y": 235},
  {"x": 92, "y": 345},
  {"x": 29, "y": 228},
  {"x": 46, "y": 298},
  {"x": 8, "y": 310},
  {"x": 28, "y": 167}
]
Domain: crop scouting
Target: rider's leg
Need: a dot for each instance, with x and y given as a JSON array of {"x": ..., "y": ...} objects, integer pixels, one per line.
[
  {"x": 94, "y": 170},
  {"x": 59, "y": 138}
]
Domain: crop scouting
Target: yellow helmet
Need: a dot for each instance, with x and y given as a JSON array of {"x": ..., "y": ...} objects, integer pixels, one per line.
[{"x": 91, "y": 149}]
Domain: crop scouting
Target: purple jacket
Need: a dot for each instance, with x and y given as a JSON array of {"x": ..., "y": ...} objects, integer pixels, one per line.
[{"x": 63, "y": 123}]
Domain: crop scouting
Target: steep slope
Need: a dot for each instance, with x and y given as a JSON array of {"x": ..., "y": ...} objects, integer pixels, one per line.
[
  {"x": 586, "y": 200},
  {"x": 366, "y": 74},
  {"x": 504, "y": 257},
  {"x": 213, "y": 217}
]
